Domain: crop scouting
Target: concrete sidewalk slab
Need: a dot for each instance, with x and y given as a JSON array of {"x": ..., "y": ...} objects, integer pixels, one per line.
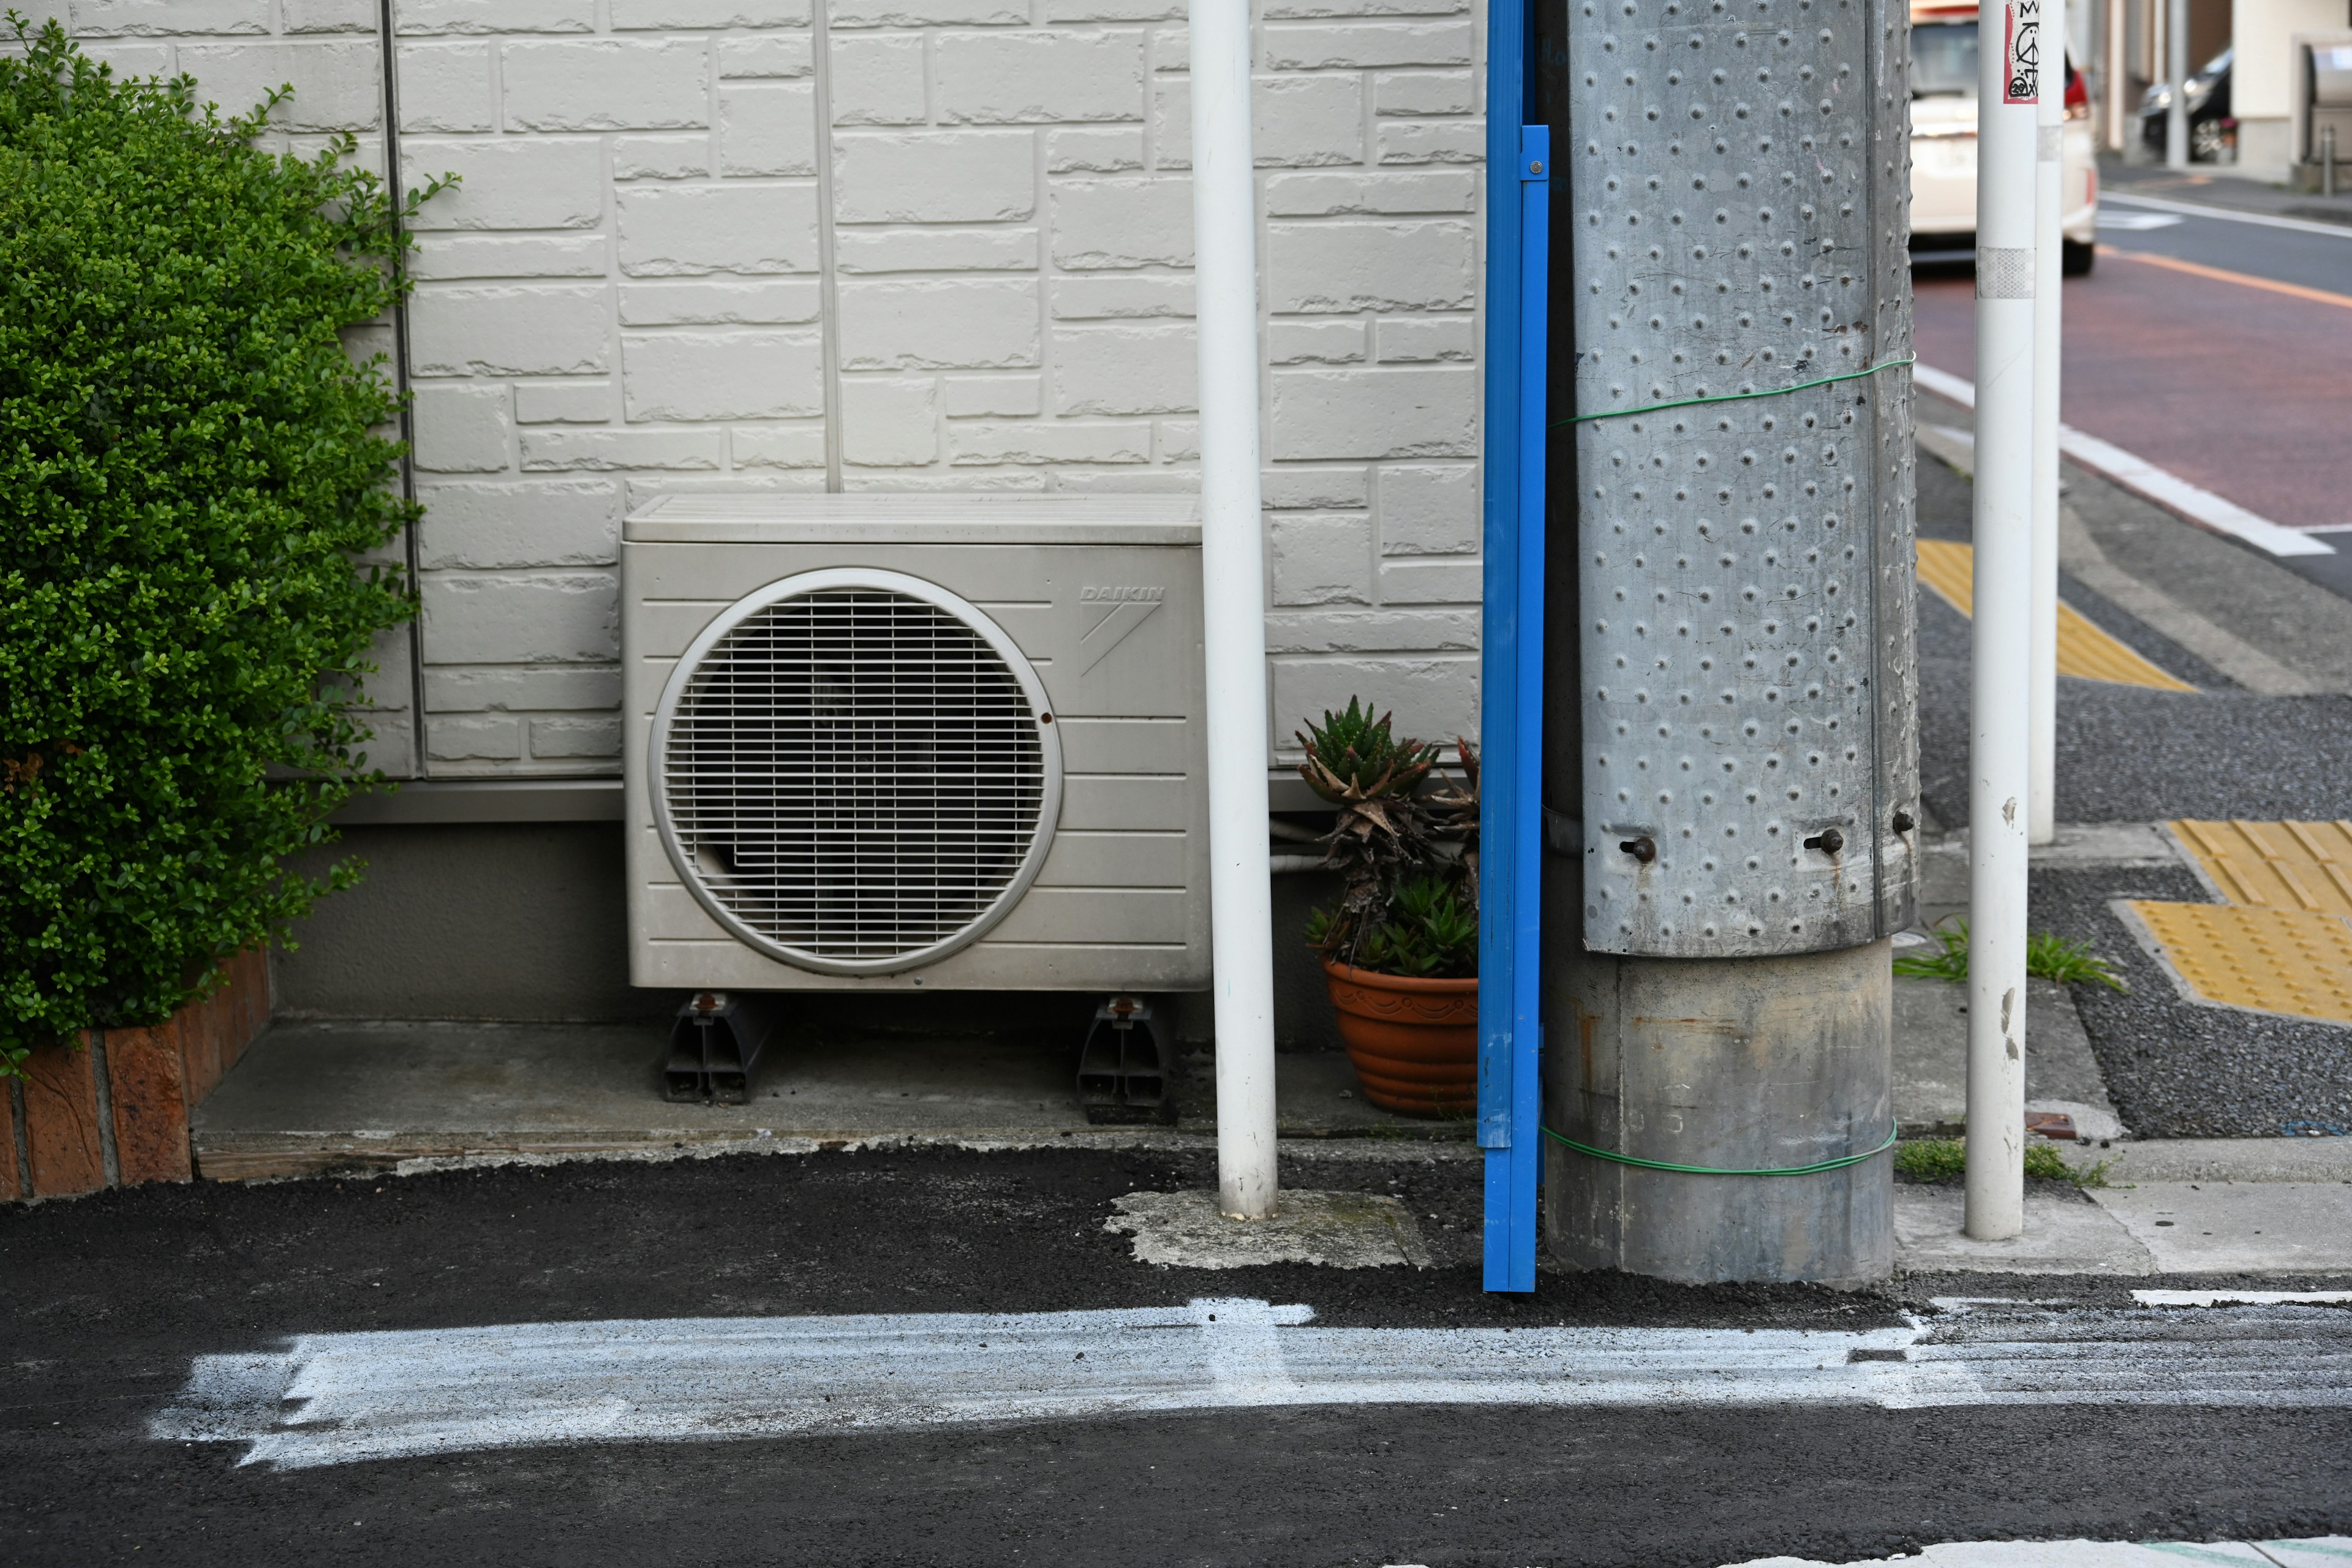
[
  {"x": 2237, "y": 1227},
  {"x": 2218, "y": 1160},
  {"x": 2074, "y": 845},
  {"x": 1931, "y": 1060},
  {"x": 319, "y": 1097},
  {"x": 2062, "y": 1236},
  {"x": 2231, "y": 1227},
  {"x": 1337, "y": 1230}
]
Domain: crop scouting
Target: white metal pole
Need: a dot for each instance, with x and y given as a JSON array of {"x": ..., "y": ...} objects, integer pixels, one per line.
[
  {"x": 1232, "y": 569},
  {"x": 2009, "y": 79},
  {"x": 2176, "y": 49},
  {"x": 2111, "y": 130},
  {"x": 2048, "y": 198}
]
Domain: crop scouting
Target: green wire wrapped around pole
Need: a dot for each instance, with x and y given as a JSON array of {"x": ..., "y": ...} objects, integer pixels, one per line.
[
  {"x": 1734, "y": 396},
  {"x": 1837, "y": 1165}
]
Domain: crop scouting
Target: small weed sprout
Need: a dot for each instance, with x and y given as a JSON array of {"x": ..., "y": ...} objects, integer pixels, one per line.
[
  {"x": 1950, "y": 962},
  {"x": 1947, "y": 1159},
  {"x": 1932, "y": 1159},
  {"x": 2048, "y": 956}
]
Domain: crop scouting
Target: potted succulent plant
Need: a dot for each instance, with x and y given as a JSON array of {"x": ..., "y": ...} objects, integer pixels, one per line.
[{"x": 1401, "y": 950}]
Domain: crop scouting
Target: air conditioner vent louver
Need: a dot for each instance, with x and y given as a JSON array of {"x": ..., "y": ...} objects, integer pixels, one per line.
[{"x": 857, "y": 770}]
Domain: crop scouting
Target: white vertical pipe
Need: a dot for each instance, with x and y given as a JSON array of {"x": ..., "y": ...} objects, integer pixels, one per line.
[
  {"x": 2048, "y": 200},
  {"x": 2112, "y": 127},
  {"x": 2176, "y": 49},
  {"x": 2009, "y": 80},
  {"x": 1232, "y": 569}
]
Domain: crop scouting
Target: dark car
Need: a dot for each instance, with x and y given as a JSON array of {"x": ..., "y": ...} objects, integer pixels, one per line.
[{"x": 2210, "y": 127}]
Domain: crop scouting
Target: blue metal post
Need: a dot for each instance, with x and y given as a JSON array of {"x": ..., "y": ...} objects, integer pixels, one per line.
[{"x": 1519, "y": 166}]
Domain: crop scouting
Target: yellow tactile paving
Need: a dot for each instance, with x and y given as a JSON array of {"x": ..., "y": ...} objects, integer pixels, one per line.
[
  {"x": 2090, "y": 654},
  {"x": 2085, "y": 651},
  {"x": 2270, "y": 960},
  {"x": 2303, "y": 866},
  {"x": 1950, "y": 569}
]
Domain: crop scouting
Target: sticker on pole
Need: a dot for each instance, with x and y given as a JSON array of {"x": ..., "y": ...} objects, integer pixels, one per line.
[{"x": 2021, "y": 53}]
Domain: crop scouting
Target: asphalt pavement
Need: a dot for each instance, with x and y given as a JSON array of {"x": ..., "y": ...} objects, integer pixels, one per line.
[
  {"x": 2234, "y": 388},
  {"x": 111, "y": 1301},
  {"x": 2178, "y": 1070},
  {"x": 2129, "y": 753},
  {"x": 2301, "y": 252}
]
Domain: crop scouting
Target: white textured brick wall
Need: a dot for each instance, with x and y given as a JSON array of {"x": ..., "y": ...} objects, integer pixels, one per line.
[{"x": 623, "y": 298}]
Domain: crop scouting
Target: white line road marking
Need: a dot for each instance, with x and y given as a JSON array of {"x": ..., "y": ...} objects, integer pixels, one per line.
[
  {"x": 2331, "y": 1550},
  {"x": 336, "y": 1398},
  {"x": 2178, "y": 495},
  {"x": 2229, "y": 215},
  {"x": 2139, "y": 222},
  {"x": 2236, "y": 1297},
  {"x": 2167, "y": 490}
]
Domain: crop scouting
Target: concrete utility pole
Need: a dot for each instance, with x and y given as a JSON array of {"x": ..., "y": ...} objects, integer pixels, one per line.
[
  {"x": 2049, "y": 258},
  {"x": 1733, "y": 839},
  {"x": 1232, "y": 567},
  {"x": 2176, "y": 119},
  {"x": 2011, "y": 77}
]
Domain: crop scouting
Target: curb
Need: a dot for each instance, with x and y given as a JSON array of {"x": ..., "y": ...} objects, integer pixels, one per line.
[{"x": 2218, "y": 1160}]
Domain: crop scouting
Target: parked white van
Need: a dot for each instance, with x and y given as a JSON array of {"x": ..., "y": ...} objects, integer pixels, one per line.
[{"x": 1944, "y": 144}]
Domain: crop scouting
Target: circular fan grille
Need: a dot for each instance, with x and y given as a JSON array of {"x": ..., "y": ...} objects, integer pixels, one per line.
[{"x": 859, "y": 775}]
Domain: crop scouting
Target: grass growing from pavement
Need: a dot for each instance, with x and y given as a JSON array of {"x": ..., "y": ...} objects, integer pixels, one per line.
[
  {"x": 2048, "y": 956},
  {"x": 1947, "y": 1159}
]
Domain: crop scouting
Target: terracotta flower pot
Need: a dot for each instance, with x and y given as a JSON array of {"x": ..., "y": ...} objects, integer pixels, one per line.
[{"x": 1414, "y": 1043}]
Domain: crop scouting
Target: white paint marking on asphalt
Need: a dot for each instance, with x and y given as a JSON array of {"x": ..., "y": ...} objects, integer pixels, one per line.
[
  {"x": 2235, "y": 1298},
  {"x": 2079, "y": 1553},
  {"x": 2191, "y": 501},
  {"x": 2139, "y": 222},
  {"x": 2167, "y": 490},
  {"x": 337, "y": 1398},
  {"x": 2228, "y": 214}
]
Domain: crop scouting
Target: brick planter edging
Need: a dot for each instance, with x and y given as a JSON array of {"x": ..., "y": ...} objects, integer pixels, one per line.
[{"x": 112, "y": 1111}]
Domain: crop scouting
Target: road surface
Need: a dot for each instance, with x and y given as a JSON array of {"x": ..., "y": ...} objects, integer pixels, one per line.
[
  {"x": 111, "y": 1303},
  {"x": 2218, "y": 348}
]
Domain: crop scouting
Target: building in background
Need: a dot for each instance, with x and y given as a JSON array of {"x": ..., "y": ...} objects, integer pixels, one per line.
[
  {"x": 2269, "y": 46},
  {"x": 939, "y": 245}
]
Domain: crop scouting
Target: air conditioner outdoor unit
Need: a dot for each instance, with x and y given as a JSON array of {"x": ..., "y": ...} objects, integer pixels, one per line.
[{"x": 889, "y": 741}]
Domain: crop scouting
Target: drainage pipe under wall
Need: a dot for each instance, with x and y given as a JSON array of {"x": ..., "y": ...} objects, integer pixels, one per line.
[
  {"x": 1232, "y": 569},
  {"x": 412, "y": 560}
]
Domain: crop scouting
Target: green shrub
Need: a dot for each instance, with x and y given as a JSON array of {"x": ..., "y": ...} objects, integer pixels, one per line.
[{"x": 189, "y": 463}]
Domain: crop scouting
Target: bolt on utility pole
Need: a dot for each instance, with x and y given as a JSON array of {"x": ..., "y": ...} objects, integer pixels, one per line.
[
  {"x": 2011, "y": 81},
  {"x": 1733, "y": 837},
  {"x": 2175, "y": 51},
  {"x": 1232, "y": 567},
  {"x": 2049, "y": 255}
]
